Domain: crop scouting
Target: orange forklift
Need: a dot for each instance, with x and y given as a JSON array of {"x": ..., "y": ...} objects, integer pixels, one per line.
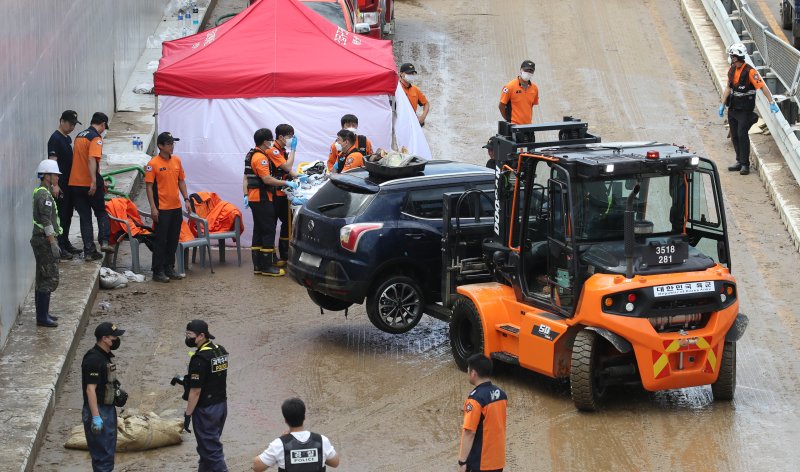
[{"x": 604, "y": 263}]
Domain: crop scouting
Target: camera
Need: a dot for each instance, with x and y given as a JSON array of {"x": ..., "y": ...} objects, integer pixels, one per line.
[
  {"x": 178, "y": 379},
  {"x": 181, "y": 380},
  {"x": 120, "y": 396}
]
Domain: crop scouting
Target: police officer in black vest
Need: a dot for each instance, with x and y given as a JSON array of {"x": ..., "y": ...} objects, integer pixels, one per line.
[
  {"x": 299, "y": 450},
  {"x": 740, "y": 97},
  {"x": 101, "y": 393},
  {"x": 207, "y": 405}
]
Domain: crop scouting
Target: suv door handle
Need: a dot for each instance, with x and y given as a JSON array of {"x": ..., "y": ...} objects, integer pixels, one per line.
[{"x": 415, "y": 235}]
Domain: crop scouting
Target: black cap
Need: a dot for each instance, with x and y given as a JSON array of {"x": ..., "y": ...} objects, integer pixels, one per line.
[
  {"x": 71, "y": 116},
  {"x": 407, "y": 67},
  {"x": 166, "y": 137},
  {"x": 199, "y": 326},
  {"x": 107, "y": 329},
  {"x": 528, "y": 65},
  {"x": 488, "y": 144},
  {"x": 100, "y": 117}
]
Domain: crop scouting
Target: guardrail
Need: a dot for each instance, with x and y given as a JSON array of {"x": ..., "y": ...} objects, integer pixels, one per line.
[{"x": 779, "y": 64}]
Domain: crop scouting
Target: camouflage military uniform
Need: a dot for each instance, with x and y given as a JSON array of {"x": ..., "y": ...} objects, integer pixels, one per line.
[{"x": 45, "y": 213}]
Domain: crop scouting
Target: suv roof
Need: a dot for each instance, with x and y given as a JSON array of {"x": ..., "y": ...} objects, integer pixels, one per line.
[{"x": 433, "y": 169}]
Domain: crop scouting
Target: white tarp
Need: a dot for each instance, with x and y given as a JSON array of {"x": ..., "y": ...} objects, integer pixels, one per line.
[{"x": 215, "y": 134}]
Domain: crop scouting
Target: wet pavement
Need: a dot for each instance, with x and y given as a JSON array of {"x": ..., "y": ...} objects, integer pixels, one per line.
[{"x": 391, "y": 403}]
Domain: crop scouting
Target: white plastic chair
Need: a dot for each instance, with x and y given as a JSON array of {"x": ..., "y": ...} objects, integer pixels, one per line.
[{"x": 202, "y": 241}]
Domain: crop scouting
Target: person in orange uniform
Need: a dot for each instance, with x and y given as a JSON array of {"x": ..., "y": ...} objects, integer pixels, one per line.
[
  {"x": 86, "y": 187},
  {"x": 740, "y": 97},
  {"x": 408, "y": 75},
  {"x": 349, "y": 157},
  {"x": 164, "y": 177},
  {"x": 363, "y": 144},
  {"x": 483, "y": 437},
  {"x": 261, "y": 188},
  {"x": 282, "y": 157},
  {"x": 519, "y": 96}
]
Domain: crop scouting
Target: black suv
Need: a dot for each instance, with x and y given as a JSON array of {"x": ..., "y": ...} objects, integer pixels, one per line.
[{"x": 366, "y": 237}]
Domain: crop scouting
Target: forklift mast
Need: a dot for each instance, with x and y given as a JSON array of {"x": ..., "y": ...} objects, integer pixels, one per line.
[{"x": 510, "y": 141}]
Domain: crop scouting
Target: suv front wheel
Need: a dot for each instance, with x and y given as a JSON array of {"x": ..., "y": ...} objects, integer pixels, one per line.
[{"x": 395, "y": 306}]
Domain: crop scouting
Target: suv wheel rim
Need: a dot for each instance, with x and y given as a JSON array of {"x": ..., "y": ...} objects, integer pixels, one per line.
[{"x": 398, "y": 304}]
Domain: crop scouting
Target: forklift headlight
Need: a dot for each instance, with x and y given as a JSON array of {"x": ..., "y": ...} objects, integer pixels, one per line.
[
  {"x": 609, "y": 168},
  {"x": 695, "y": 161}
]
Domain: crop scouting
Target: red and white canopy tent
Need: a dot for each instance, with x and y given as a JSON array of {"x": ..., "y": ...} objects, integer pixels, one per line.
[{"x": 275, "y": 62}]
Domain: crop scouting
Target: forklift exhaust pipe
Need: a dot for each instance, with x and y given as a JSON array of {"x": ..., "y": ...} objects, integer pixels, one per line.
[{"x": 629, "y": 237}]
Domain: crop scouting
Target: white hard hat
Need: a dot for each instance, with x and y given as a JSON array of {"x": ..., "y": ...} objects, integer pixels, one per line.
[
  {"x": 48, "y": 166},
  {"x": 737, "y": 49}
]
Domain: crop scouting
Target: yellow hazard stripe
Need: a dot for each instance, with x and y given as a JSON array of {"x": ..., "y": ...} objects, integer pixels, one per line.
[
  {"x": 660, "y": 364},
  {"x": 674, "y": 346}
]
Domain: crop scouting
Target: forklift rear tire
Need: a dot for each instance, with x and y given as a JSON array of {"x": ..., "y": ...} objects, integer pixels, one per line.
[
  {"x": 328, "y": 303},
  {"x": 586, "y": 383},
  {"x": 466, "y": 332},
  {"x": 725, "y": 386}
]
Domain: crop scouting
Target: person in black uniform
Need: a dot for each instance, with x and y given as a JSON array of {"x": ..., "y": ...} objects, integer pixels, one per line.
[
  {"x": 101, "y": 393},
  {"x": 299, "y": 450},
  {"x": 207, "y": 406},
  {"x": 59, "y": 148}
]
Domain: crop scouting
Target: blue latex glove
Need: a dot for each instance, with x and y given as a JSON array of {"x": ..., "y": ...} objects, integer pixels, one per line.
[
  {"x": 336, "y": 166},
  {"x": 97, "y": 424},
  {"x": 293, "y": 143},
  {"x": 246, "y": 202},
  {"x": 303, "y": 178},
  {"x": 773, "y": 107},
  {"x": 721, "y": 111},
  {"x": 299, "y": 201},
  {"x": 291, "y": 184}
]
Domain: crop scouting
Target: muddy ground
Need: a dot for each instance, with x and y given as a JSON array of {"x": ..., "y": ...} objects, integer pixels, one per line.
[{"x": 391, "y": 403}]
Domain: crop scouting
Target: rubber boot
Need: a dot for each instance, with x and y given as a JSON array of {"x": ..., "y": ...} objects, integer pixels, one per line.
[
  {"x": 42, "y": 302},
  {"x": 268, "y": 267},
  {"x": 283, "y": 248},
  {"x": 255, "y": 252}
]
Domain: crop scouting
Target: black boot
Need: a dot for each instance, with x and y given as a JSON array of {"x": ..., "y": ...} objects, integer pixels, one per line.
[
  {"x": 42, "y": 302},
  {"x": 268, "y": 266},
  {"x": 283, "y": 249},
  {"x": 255, "y": 252}
]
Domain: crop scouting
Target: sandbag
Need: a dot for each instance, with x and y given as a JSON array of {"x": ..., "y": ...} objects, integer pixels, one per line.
[
  {"x": 135, "y": 432},
  {"x": 110, "y": 279}
]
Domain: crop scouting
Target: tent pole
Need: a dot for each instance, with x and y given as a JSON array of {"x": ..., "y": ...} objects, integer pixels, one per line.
[
  {"x": 155, "y": 115},
  {"x": 393, "y": 104}
]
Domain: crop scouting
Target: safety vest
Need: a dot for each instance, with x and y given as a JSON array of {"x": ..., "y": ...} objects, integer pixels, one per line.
[
  {"x": 743, "y": 94},
  {"x": 343, "y": 157},
  {"x": 254, "y": 181},
  {"x": 214, "y": 389},
  {"x": 302, "y": 456},
  {"x": 57, "y": 227}
]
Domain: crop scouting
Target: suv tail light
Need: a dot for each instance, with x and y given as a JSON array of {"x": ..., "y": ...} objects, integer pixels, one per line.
[{"x": 349, "y": 235}]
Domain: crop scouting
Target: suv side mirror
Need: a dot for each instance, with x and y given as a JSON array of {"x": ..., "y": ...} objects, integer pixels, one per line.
[{"x": 361, "y": 28}]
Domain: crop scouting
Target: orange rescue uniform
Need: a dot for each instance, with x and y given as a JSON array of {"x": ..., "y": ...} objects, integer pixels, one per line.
[
  {"x": 353, "y": 159},
  {"x": 755, "y": 78},
  {"x": 485, "y": 414},
  {"x": 521, "y": 100},
  {"x": 333, "y": 155},
  {"x": 259, "y": 162},
  {"x": 165, "y": 174},
  {"x": 277, "y": 154},
  {"x": 88, "y": 145},
  {"x": 415, "y": 96}
]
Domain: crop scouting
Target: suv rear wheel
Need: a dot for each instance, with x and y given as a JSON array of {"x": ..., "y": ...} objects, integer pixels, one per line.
[
  {"x": 328, "y": 303},
  {"x": 395, "y": 306}
]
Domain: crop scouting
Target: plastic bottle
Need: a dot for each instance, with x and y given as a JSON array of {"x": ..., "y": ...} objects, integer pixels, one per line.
[
  {"x": 134, "y": 143},
  {"x": 188, "y": 20},
  {"x": 138, "y": 143},
  {"x": 195, "y": 14},
  {"x": 181, "y": 25}
]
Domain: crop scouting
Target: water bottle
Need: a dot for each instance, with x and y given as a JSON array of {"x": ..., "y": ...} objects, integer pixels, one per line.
[
  {"x": 181, "y": 25},
  {"x": 188, "y": 19},
  {"x": 195, "y": 14},
  {"x": 134, "y": 143},
  {"x": 138, "y": 143}
]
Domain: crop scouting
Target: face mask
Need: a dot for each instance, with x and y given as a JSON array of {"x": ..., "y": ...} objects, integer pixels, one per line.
[
  {"x": 190, "y": 342},
  {"x": 410, "y": 78},
  {"x": 338, "y": 146},
  {"x": 115, "y": 344},
  {"x": 103, "y": 134},
  {"x": 352, "y": 130},
  {"x": 526, "y": 76}
]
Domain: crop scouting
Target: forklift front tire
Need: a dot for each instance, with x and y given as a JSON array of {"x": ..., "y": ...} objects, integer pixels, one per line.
[
  {"x": 725, "y": 386},
  {"x": 586, "y": 382},
  {"x": 466, "y": 331}
]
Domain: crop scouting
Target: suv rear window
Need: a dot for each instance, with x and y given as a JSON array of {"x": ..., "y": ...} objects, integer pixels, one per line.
[{"x": 339, "y": 201}]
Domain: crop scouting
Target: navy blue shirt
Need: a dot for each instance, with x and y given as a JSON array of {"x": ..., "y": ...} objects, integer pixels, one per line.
[{"x": 61, "y": 147}]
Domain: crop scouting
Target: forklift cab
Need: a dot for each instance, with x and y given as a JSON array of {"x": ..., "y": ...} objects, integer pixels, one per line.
[{"x": 571, "y": 225}]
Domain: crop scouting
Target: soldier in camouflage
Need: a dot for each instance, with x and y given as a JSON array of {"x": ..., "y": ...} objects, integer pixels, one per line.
[{"x": 46, "y": 228}]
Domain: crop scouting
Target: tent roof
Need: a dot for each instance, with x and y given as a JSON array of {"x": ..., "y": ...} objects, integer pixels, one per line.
[{"x": 276, "y": 48}]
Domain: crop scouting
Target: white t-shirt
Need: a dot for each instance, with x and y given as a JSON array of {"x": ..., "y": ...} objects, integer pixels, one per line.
[{"x": 273, "y": 455}]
